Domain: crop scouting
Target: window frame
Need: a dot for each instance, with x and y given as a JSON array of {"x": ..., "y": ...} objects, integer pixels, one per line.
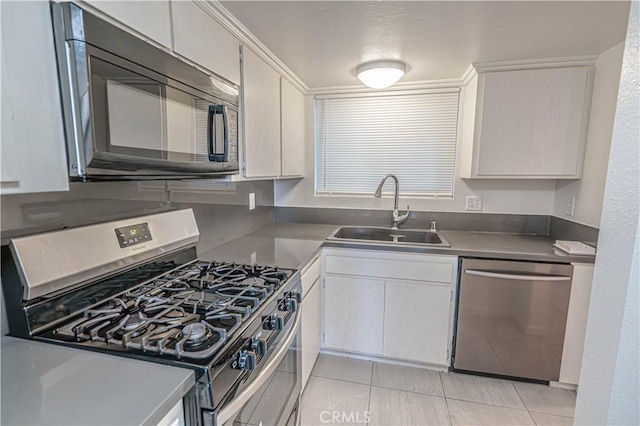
[{"x": 411, "y": 195}]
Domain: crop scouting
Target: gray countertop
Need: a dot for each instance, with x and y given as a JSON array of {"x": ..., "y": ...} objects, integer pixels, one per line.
[
  {"x": 510, "y": 246},
  {"x": 292, "y": 245},
  {"x": 48, "y": 384},
  {"x": 283, "y": 245}
]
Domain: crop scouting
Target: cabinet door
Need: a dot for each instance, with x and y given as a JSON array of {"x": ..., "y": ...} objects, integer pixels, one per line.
[
  {"x": 311, "y": 329},
  {"x": 151, "y": 18},
  {"x": 311, "y": 273},
  {"x": 33, "y": 147},
  {"x": 199, "y": 37},
  {"x": 354, "y": 311},
  {"x": 175, "y": 417},
  {"x": 532, "y": 123},
  {"x": 416, "y": 321},
  {"x": 576, "y": 327},
  {"x": 292, "y": 130},
  {"x": 261, "y": 95}
]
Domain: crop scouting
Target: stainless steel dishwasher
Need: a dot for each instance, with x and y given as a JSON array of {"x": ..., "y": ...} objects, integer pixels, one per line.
[{"x": 511, "y": 318}]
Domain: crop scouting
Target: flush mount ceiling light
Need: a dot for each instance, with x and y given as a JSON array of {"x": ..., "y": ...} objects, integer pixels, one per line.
[{"x": 380, "y": 74}]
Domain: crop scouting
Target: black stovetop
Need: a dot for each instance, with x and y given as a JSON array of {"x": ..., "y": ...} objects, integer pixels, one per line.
[{"x": 187, "y": 313}]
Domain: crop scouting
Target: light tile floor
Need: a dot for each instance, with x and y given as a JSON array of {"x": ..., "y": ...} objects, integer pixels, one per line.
[{"x": 349, "y": 391}]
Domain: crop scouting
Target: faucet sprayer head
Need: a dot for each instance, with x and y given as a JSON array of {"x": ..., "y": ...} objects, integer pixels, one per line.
[{"x": 378, "y": 193}]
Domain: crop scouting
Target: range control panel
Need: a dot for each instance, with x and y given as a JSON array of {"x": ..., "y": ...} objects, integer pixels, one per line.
[{"x": 132, "y": 235}]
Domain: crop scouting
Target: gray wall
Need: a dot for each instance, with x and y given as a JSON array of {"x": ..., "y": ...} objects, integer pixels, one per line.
[
  {"x": 222, "y": 215},
  {"x": 609, "y": 379},
  {"x": 589, "y": 191}
]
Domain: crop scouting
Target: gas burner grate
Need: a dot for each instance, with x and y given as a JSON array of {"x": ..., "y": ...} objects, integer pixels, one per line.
[{"x": 189, "y": 312}]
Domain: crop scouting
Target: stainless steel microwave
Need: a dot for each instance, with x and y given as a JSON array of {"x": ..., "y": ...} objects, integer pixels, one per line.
[{"x": 134, "y": 111}]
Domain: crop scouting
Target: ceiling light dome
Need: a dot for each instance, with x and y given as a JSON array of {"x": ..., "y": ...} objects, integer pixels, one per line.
[{"x": 380, "y": 74}]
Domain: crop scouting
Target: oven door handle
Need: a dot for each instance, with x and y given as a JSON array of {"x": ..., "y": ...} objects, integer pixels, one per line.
[
  {"x": 512, "y": 276},
  {"x": 233, "y": 407}
]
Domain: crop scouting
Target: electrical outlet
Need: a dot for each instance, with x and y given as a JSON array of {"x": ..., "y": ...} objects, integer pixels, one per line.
[
  {"x": 252, "y": 201},
  {"x": 570, "y": 207},
  {"x": 474, "y": 203}
]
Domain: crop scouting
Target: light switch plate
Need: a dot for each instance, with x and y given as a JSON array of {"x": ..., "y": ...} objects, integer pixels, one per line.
[
  {"x": 474, "y": 203},
  {"x": 252, "y": 201}
]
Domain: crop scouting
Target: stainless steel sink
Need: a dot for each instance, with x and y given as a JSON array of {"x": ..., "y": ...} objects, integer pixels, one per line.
[{"x": 391, "y": 236}]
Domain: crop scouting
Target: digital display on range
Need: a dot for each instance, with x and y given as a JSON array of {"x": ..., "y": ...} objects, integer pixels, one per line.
[{"x": 134, "y": 234}]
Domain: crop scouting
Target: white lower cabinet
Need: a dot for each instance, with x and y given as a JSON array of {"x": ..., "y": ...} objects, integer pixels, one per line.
[
  {"x": 403, "y": 313},
  {"x": 354, "y": 314},
  {"x": 416, "y": 321},
  {"x": 576, "y": 327},
  {"x": 311, "y": 317},
  {"x": 175, "y": 417},
  {"x": 311, "y": 329}
]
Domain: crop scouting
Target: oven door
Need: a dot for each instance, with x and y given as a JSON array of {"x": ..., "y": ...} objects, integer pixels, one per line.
[
  {"x": 271, "y": 398},
  {"x": 135, "y": 121}
]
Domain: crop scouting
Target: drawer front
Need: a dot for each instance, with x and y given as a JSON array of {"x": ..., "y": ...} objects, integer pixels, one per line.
[
  {"x": 435, "y": 269},
  {"x": 310, "y": 276}
]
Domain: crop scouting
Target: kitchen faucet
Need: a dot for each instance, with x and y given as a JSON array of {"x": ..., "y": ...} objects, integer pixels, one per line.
[{"x": 397, "y": 218}]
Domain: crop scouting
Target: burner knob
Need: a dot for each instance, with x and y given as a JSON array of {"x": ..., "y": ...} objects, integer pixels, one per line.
[
  {"x": 288, "y": 305},
  {"x": 258, "y": 345},
  {"x": 247, "y": 360},
  {"x": 272, "y": 322},
  {"x": 293, "y": 295}
]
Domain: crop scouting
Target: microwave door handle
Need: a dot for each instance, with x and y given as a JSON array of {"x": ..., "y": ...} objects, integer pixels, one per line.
[
  {"x": 225, "y": 120},
  {"x": 512, "y": 276},
  {"x": 212, "y": 133}
]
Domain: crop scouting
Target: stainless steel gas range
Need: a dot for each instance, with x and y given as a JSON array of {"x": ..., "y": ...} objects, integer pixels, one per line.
[{"x": 135, "y": 288}]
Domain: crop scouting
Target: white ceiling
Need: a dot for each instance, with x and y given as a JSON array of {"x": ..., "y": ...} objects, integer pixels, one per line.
[{"x": 323, "y": 41}]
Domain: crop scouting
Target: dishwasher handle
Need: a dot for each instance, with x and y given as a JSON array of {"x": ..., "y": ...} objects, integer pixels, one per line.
[{"x": 513, "y": 276}]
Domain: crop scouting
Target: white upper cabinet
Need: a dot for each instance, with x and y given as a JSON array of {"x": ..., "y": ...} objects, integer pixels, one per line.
[
  {"x": 261, "y": 120},
  {"x": 200, "y": 38},
  {"x": 526, "y": 124},
  {"x": 32, "y": 148},
  {"x": 151, "y": 19},
  {"x": 292, "y": 130}
]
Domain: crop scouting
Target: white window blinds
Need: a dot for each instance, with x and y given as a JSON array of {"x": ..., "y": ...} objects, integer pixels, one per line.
[{"x": 361, "y": 138}]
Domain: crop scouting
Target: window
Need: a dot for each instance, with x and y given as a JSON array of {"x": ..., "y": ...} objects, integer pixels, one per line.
[{"x": 361, "y": 138}]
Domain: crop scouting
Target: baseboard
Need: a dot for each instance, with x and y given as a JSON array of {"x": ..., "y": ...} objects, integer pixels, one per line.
[
  {"x": 425, "y": 366},
  {"x": 567, "y": 386}
]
